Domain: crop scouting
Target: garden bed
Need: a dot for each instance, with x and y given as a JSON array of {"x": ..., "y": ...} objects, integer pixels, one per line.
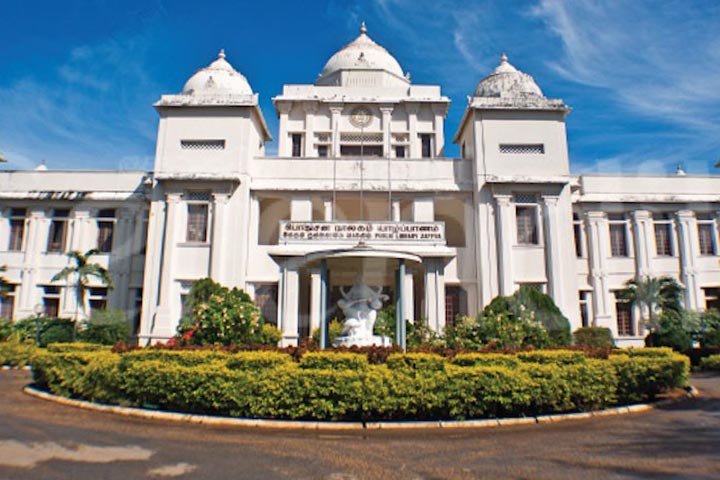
[{"x": 347, "y": 387}]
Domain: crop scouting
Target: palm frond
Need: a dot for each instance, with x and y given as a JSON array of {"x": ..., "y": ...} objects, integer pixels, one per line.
[{"x": 64, "y": 274}]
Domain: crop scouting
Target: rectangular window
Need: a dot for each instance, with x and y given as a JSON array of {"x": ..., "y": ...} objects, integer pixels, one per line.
[
  {"x": 106, "y": 226},
  {"x": 197, "y": 222},
  {"x": 7, "y": 303},
  {"x": 707, "y": 232},
  {"x": 57, "y": 234},
  {"x": 526, "y": 221},
  {"x": 51, "y": 301},
  {"x": 426, "y": 145},
  {"x": 266, "y": 298},
  {"x": 297, "y": 144},
  {"x": 17, "y": 229},
  {"x": 618, "y": 235},
  {"x": 584, "y": 308},
  {"x": 455, "y": 303},
  {"x": 361, "y": 150},
  {"x": 462, "y": 150},
  {"x": 322, "y": 151},
  {"x": 712, "y": 298},
  {"x": 623, "y": 312},
  {"x": 137, "y": 311},
  {"x": 400, "y": 151},
  {"x": 97, "y": 299},
  {"x": 663, "y": 234},
  {"x": 578, "y": 235},
  {"x": 523, "y": 148}
]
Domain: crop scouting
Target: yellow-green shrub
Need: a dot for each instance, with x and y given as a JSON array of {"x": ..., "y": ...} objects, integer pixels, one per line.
[
  {"x": 647, "y": 352},
  {"x": 711, "y": 363},
  {"x": 418, "y": 362},
  {"x": 76, "y": 347},
  {"x": 557, "y": 357},
  {"x": 16, "y": 354},
  {"x": 260, "y": 360},
  {"x": 485, "y": 359},
  {"x": 334, "y": 360},
  {"x": 342, "y": 386}
]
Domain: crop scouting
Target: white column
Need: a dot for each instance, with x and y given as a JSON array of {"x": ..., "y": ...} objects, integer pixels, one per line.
[
  {"x": 423, "y": 209},
  {"x": 121, "y": 258},
  {"x": 37, "y": 231},
  {"x": 643, "y": 233},
  {"x": 435, "y": 293},
  {"x": 310, "y": 109},
  {"x": 412, "y": 110},
  {"x": 301, "y": 208},
  {"x": 218, "y": 258},
  {"x": 314, "y": 299},
  {"x": 505, "y": 241},
  {"x": 598, "y": 242},
  {"x": 439, "y": 115},
  {"x": 335, "y": 111},
  {"x": 153, "y": 261},
  {"x": 687, "y": 231},
  {"x": 409, "y": 296},
  {"x": 283, "y": 140},
  {"x": 290, "y": 289},
  {"x": 80, "y": 230},
  {"x": 327, "y": 209},
  {"x": 164, "y": 323},
  {"x": 396, "y": 210},
  {"x": 386, "y": 111},
  {"x": 553, "y": 249}
]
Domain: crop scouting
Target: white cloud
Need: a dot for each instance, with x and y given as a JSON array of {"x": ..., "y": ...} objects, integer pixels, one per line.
[
  {"x": 87, "y": 114},
  {"x": 659, "y": 60}
]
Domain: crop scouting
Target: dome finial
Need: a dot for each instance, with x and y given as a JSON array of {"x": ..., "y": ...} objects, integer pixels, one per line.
[
  {"x": 503, "y": 58},
  {"x": 222, "y": 53},
  {"x": 363, "y": 28}
]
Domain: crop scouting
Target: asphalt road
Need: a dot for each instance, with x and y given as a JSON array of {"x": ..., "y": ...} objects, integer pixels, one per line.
[{"x": 42, "y": 440}]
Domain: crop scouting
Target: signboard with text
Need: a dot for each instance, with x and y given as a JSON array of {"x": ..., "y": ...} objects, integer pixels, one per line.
[{"x": 369, "y": 232}]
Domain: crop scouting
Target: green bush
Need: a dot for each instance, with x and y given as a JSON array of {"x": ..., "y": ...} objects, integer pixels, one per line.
[
  {"x": 57, "y": 330},
  {"x": 221, "y": 316},
  {"x": 343, "y": 386},
  {"x": 76, "y": 347},
  {"x": 106, "y": 327},
  {"x": 485, "y": 360},
  {"x": 464, "y": 333},
  {"x": 5, "y": 329},
  {"x": 709, "y": 334},
  {"x": 417, "y": 362},
  {"x": 595, "y": 337},
  {"x": 334, "y": 330},
  {"x": 710, "y": 364},
  {"x": 560, "y": 357},
  {"x": 643, "y": 377},
  {"x": 334, "y": 361},
  {"x": 252, "y": 361},
  {"x": 665, "y": 352},
  {"x": 674, "y": 329},
  {"x": 16, "y": 354}
]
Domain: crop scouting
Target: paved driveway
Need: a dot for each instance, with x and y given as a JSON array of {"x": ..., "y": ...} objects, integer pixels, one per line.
[{"x": 42, "y": 440}]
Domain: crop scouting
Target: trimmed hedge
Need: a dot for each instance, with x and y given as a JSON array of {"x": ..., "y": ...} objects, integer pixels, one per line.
[
  {"x": 345, "y": 386},
  {"x": 711, "y": 363},
  {"x": 16, "y": 354}
]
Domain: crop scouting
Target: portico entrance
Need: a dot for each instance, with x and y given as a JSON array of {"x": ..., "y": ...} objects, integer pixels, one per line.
[{"x": 312, "y": 284}]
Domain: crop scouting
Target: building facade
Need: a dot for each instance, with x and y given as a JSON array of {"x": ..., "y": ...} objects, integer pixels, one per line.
[{"x": 360, "y": 185}]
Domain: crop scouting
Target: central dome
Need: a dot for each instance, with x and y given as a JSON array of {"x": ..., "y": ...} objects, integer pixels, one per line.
[
  {"x": 507, "y": 81},
  {"x": 360, "y": 54}
]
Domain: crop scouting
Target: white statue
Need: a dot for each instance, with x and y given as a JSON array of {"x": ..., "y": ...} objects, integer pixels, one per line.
[{"x": 360, "y": 305}]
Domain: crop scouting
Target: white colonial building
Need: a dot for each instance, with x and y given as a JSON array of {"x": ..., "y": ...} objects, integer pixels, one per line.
[{"x": 360, "y": 185}]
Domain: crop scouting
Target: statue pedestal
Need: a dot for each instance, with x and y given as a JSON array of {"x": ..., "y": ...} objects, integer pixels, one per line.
[{"x": 362, "y": 341}]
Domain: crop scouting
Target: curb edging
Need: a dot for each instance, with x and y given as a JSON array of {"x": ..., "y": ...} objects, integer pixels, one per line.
[{"x": 312, "y": 425}]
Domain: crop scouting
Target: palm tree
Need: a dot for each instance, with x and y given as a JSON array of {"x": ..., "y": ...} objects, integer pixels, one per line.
[
  {"x": 653, "y": 295},
  {"x": 81, "y": 272},
  {"x": 4, "y": 285}
]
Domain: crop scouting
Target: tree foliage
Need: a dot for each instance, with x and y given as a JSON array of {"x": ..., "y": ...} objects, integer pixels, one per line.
[
  {"x": 223, "y": 316},
  {"x": 80, "y": 273},
  {"x": 653, "y": 295}
]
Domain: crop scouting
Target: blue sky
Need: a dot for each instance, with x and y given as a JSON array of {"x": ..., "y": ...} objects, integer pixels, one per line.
[{"x": 643, "y": 77}]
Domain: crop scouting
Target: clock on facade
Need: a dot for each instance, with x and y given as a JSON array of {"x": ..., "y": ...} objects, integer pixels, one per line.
[{"x": 360, "y": 117}]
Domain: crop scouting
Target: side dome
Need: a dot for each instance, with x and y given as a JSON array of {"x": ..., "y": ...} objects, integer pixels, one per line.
[
  {"x": 507, "y": 81},
  {"x": 361, "y": 54},
  {"x": 218, "y": 78}
]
